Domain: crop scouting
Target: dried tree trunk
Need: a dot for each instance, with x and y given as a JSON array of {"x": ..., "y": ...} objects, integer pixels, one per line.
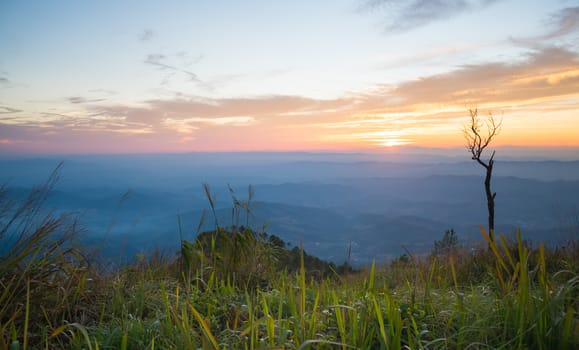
[
  {"x": 477, "y": 142},
  {"x": 490, "y": 197}
]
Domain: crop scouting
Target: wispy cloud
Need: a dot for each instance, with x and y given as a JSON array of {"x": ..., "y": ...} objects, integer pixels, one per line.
[
  {"x": 8, "y": 110},
  {"x": 404, "y": 15},
  {"x": 81, "y": 100},
  {"x": 563, "y": 23},
  {"x": 4, "y": 81},
  {"x": 160, "y": 61},
  {"x": 566, "y": 21},
  {"x": 146, "y": 35}
]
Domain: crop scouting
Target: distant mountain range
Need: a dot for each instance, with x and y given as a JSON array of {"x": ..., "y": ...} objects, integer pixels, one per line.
[{"x": 379, "y": 209}]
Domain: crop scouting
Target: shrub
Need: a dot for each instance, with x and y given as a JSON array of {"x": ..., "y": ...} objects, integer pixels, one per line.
[{"x": 45, "y": 278}]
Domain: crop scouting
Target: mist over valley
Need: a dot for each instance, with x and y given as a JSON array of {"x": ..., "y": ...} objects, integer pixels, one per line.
[{"x": 379, "y": 205}]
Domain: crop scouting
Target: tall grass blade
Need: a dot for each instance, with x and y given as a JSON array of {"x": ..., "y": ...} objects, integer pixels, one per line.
[
  {"x": 204, "y": 327},
  {"x": 372, "y": 276},
  {"x": 124, "y": 341},
  {"x": 211, "y": 199},
  {"x": 303, "y": 290},
  {"x": 381, "y": 325}
]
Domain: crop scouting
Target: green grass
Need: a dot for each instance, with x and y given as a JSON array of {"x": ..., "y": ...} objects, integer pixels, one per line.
[{"x": 222, "y": 293}]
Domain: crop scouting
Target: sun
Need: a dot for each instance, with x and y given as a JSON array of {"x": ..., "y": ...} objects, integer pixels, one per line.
[{"x": 393, "y": 142}]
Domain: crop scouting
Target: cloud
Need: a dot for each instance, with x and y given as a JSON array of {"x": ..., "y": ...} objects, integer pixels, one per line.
[
  {"x": 81, "y": 100},
  {"x": 184, "y": 124},
  {"x": 543, "y": 80},
  {"x": 411, "y": 14},
  {"x": 146, "y": 35},
  {"x": 19, "y": 138},
  {"x": 261, "y": 106},
  {"x": 8, "y": 110},
  {"x": 142, "y": 115},
  {"x": 226, "y": 111},
  {"x": 564, "y": 22},
  {"x": 191, "y": 125},
  {"x": 76, "y": 99},
  {"x": 159, "y": 61},
  {"x": 567, "y": 22},
  {"x": 549, "y": 72},
  {"x": 49, "y": 123},
  {"x": 234, "y": 120},
  {"x": 4, "y": 81}
]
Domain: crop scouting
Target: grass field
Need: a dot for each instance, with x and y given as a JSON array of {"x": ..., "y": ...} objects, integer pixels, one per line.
[{"x": 232, "y": 291}]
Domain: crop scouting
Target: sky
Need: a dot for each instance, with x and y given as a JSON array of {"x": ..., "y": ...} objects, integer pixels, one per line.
[{"x": 83, "y": 77}]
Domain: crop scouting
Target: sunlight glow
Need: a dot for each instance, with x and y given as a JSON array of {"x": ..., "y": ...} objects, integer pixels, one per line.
[{"x": 394, "y": 142}]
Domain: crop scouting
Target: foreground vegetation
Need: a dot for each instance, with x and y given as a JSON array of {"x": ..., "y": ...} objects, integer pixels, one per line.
[{"x": 237, "y": 289}]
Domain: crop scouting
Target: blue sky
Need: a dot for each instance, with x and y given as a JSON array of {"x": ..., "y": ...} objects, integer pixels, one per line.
[{"x": 151, "y": 76}]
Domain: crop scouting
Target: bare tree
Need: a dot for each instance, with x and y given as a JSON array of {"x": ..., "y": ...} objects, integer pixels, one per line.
[{"x": 478, "y": 136}]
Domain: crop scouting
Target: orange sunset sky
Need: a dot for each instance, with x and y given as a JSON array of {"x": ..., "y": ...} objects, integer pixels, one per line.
[{"x": 181, "y": 76}]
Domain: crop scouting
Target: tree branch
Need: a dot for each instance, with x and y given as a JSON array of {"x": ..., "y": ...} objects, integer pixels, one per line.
[{"x": 476, "y": 143}]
